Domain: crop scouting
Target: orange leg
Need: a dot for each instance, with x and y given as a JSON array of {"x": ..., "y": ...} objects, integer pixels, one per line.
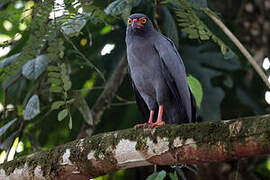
[
  {"x": 159, "y": 121},
  {"x": 150, "y": 121}
]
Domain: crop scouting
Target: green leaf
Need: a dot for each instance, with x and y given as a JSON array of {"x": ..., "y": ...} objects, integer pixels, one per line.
[
  {"x": 57, "y": 104},
  {"x": 70, "y": 101},
  {"x": 157, "y": 175},
  {"x": 53, "y": 68},
  {"x": 54, "y": 74},
  {"x": 106, "y": 30},
  {"x": 62, "y": 114},
  {"x": 70, "y": 123},
  {"x": 3, "y": 156},
  {"x": 55, "y": 81},
  {"x": 196, "y": 89},
  {"x": 173, "y": 176},
  {"x": 56, "y": 89},
  {"x": 63, "y": 69},
  {"x": 67, "y": 84}
]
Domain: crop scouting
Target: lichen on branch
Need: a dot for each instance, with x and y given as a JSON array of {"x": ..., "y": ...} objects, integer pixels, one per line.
[{"x": 168, "y": 145}]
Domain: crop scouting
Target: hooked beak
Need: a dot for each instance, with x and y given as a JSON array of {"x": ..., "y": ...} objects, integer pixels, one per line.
[{"x": 136, "y": 24}]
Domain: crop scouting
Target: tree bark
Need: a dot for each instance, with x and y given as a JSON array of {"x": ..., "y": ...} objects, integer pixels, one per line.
[{"x": 167, "y": 145}]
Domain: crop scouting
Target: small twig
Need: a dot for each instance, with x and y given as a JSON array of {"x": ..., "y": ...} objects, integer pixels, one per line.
[
  {"x": 6, "y": 90},
  {"x": 240, "y": 47},
  {"x": 84, "y": 57},
  {"x": 106, "y": 96}
]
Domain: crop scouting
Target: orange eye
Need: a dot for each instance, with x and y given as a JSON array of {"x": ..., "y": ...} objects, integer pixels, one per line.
[
  {"x": 129, "y": 21},
  {"x": 143, "y": 20}
]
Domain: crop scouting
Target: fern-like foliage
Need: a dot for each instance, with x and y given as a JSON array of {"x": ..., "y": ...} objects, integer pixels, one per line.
[
  {"x": 58, "y": 76},
  {"x": 188, "y": 17},
  {"x": 40, "y": 33}
]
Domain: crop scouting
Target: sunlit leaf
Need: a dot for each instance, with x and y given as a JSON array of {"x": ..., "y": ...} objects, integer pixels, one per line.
[
  {"x": 116, "y": 7},
  {"x": 196, "y": 89},
  {"x": 34, "y": 68},
  {"x": 62, "y": 114},
  {"x": 73, "y": 26},
  {"x": 3, "y": 156},
  {"x": 12, "y": 151},
  {"x": 106, "y": 30},
  {"x": 67, "y": 84},
  {"x": 70, "y": 101},
  {"x": 32, "y": 108},
  {"x": 6, "y": 126},
  {"x": 57, "y": 104}
]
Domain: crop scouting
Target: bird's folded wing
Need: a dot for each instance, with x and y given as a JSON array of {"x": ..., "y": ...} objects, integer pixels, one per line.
[
  {"x": 140, "y": 102},
  {"x": 174, "y": 72}
]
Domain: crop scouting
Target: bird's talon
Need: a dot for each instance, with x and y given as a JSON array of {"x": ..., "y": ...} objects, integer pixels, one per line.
[{"x": 161, "y": 123}]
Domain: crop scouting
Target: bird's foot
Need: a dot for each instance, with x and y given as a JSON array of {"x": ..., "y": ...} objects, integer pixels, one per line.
[
  {"x": 149, "y": 125},
  {"x": 145, "y": 125},
  {"x": 158, "y": 123},
  {"x": 141, "y": 125}
]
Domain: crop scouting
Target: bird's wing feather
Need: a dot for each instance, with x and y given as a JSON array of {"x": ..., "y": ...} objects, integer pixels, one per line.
[
  {"x": 140, "y": 102},
  {"x": 174, "y": 72}
]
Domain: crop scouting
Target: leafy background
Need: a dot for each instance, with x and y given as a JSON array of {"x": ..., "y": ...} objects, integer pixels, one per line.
[{"x": 54, "y": 70}]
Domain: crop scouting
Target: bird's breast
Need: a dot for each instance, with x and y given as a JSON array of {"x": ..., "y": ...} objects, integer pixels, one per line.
[{"x": 145, "y": 67}]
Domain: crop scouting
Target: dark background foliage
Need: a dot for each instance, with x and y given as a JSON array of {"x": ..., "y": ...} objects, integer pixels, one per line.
[{"x": 72, "y": 45}]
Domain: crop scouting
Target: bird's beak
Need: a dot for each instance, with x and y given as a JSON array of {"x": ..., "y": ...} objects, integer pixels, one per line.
[{"x": 136, "y": 24}]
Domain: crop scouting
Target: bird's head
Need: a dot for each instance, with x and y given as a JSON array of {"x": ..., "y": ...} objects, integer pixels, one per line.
[{"x": 139, "y": 23}]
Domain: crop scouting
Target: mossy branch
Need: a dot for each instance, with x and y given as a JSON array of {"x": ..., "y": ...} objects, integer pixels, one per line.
[{"x": 168, "y": 145}]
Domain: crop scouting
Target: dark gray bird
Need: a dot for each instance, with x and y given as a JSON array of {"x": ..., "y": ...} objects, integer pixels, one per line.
[{"x": 158, "y": 75}]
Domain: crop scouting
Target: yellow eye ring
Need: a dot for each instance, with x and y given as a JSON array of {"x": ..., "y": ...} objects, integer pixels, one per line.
[
  {"x": 129, "y": 21},
  {"x": 143, "y": 20}
]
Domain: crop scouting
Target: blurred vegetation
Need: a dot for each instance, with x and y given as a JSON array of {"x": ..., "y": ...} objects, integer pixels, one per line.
[{"x": 52, "y": 58}]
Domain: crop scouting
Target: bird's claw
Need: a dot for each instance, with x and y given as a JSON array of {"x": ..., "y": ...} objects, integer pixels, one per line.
[
  {"x": 149, "y": 125},
  {"x": 152, "y": 125}
]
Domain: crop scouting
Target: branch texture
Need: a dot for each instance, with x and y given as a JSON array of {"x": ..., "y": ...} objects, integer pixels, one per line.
[{"x": 168, "y": 145}]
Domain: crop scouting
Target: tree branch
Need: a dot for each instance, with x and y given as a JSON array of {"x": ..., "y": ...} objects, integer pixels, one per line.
[{"x": 168, "y": 145}]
